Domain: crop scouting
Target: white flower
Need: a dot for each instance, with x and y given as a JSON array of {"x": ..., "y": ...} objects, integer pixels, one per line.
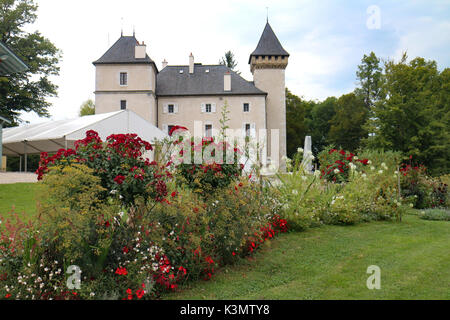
[
  {"x": 355, "y": 158},
  {"x": 369, "y": 162},
  {"x": 372, "y": 168},
  {"x": 300, "y": 150},
  {"x": 304, "y": 178},
  {"x": 411, "y": 205},
  {"x": 380, "y": 171},
  {"x": 317, "y": 173},
  {"x": 336, "y": 171},
  {"x": 294, "y": 192}
]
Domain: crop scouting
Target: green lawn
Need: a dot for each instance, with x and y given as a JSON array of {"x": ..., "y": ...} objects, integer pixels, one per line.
[
  {"x": 330, "y": 262},
  {"x": 21, "y": 196}
]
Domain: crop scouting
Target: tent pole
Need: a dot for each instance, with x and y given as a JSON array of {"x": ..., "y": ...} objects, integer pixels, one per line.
[
  {"x": 20, "y": 163},
  {"x": 26, "y": 157}
]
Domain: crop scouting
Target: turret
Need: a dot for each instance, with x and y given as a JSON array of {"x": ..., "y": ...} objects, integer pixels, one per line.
[{"x": 267, "y": 64}]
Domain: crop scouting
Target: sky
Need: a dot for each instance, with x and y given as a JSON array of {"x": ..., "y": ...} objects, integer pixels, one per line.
[{"x": 326, "y": 39}]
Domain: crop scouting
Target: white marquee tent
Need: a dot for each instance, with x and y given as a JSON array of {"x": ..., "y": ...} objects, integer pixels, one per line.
[{"x": 54, "y": 135}]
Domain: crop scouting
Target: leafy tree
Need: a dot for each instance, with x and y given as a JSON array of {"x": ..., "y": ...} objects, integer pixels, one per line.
[
  {"x": 318, "y": 123},
  {"x": 87, "y": 108},
  {"x": 369, "y": 75},
  {"x": 413, "y": 117},
  {"x": 229, "y": 61},
  {"x": 346, "y": 129},
  {"x": 296, "y": 128},
  {"x": 26, "y": 91}
]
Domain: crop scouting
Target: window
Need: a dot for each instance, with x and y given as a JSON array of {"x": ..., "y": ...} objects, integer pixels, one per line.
[
  {"x": 169, "y": 128},
  {"x": 170, "y": 108},
  {"x": 247, "y": 129},
  {"x": 208, "y": 108},
  {"x": 123, "y": 78},
  {"x": 246, "y": 107},
  {"x": 123, "y": 104},
  {"x": 208, "y": 130}
]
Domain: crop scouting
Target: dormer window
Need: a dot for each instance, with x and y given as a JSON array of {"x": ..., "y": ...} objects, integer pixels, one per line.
[{"x": 123, "y": 79}]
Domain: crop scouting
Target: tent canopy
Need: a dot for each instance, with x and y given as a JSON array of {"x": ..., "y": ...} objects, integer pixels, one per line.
[
  {"x": 9, "y": 62},
  {"x": 54, "y": 135}
]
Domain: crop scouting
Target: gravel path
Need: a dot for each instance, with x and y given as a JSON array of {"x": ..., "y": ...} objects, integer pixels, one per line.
[{"x": 14, "y": 177}]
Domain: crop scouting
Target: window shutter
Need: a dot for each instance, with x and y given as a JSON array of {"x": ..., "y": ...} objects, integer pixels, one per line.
[
  {"x": 165, "y": 108},
  {"x": 203, "y": 108},
  {"x": 213, "y": 107},
  {"x": 165, "y": 128},
  {"x": 175, "y": 108}
]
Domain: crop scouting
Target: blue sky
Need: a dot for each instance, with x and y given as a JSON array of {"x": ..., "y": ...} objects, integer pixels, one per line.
[{"x": 326, "y": 39}]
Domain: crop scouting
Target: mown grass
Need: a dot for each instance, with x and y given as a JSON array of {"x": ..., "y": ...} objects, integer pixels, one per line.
[
  {"x": 330, "y": 262},
  {"x": 20, "y": 198}
]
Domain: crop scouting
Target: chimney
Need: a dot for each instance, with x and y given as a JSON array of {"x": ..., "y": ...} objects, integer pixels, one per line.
[
  {"x": 227, "y": 81},
  {"x": 164, "y": 63},
  {"x": 140, "y": 51},
  {"x": 191, "y": 63}
]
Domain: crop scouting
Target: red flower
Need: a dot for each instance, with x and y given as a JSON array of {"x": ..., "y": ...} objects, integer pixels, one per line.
[
  {"x": 140, "y": 293},
  {"x": 125, "y": 249},
  {"x": 122, "y": 272},
  {"x": 174, "y": 194},
  {"x": 8, "y": 295},
  {"x": 183, "y": 270},
  {"x": 174, "y": 128},
  {"x": 119, "y": 179}
]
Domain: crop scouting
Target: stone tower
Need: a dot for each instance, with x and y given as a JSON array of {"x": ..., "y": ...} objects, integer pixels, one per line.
[
  {"x": 267, "y": 64},
  {"x": 125, "y": 78}
]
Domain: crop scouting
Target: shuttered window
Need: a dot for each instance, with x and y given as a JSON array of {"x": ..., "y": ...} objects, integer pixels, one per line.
[{"x": 123, "y": 78}]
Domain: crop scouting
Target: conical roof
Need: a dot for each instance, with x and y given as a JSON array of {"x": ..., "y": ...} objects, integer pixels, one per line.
[{"x": 269, "y": 45}]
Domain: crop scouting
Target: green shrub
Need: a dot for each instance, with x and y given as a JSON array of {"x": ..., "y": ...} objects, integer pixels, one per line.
[{"x": 435, "y": 214}]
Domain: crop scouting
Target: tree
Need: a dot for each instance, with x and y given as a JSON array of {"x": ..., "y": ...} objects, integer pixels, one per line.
[
  {"x": 413, "y": 117},
  {"x": 229, "y": 61},
  {"x": 26, "y": 91},
  {"x": 318, "y": 123},
  {"x": 87, "y": 108},
  {"x": 296, "y": 128},
  {"x": 369, "y": 75},
  {"x": 347, "y": 129}
]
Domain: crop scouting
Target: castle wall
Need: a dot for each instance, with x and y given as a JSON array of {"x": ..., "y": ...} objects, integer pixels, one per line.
[{"x": 189, "y": 110}]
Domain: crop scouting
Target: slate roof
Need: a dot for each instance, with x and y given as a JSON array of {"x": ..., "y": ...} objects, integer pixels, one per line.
[
  {"x": 170, "y": 82},
  {"x": 122, "y": 51},
  {"x": 269, "y": 45}
]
